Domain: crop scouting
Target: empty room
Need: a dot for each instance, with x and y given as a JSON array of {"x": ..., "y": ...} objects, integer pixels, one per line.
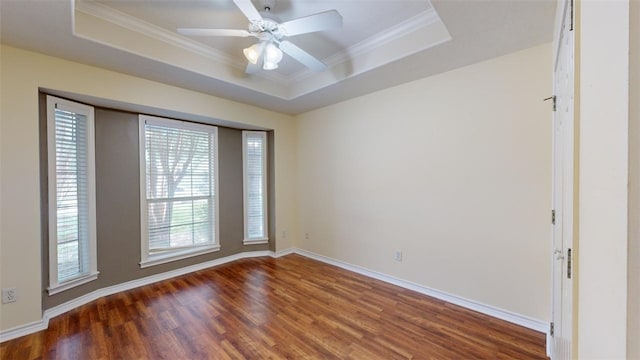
[{"x": 298, "y": 179}]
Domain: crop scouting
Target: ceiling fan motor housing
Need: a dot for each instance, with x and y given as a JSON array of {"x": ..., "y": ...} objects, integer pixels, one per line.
[{"x": 265, "y": 27}]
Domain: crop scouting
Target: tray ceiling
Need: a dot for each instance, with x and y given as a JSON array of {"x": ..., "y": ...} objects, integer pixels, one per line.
[{"x": 382, "y": 42}]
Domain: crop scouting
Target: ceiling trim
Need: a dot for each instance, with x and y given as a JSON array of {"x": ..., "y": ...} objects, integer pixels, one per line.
[
  {"x": 422, "y": 19},
  {"x": 366, "y": 46},
  {"x": 482, "y": 30},
  {"x": 103, "y": 32},
  {"x": 402, "y": 29},
  {"x": 156, "y": 32}
]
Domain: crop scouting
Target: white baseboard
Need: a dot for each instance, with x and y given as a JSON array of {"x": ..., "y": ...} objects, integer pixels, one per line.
[
  {"x": 502, "y": 314},
  {"x": 506, "y": 315},
  {"x": 282, "y": 253},
  {"x": 23, "y": 330},
  {"x": 42, "y": 324}
]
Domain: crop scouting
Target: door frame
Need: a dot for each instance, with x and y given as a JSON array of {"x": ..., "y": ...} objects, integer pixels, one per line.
[{"x": 564, "y": 191}]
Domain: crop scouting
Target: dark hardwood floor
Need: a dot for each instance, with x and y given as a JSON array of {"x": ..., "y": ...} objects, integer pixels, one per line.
[{"x": 264, "y": 308}]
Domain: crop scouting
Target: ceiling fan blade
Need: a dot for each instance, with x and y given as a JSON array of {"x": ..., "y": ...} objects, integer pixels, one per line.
[
  {"x": 312, "y": 23},
  {"x": 302, "y": 56},
  {"x": 248, "y": 10},
  {"x": 213, "y": 32}
]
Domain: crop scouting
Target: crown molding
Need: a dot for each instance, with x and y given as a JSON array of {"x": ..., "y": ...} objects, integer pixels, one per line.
[
  {"x": 415, "y": 23},
  {"x": 420, "y": 32},
  {"x": 408, "y": 26},
  {"x": 135, "y": 24},
  {"x": 364, "y": 47}
]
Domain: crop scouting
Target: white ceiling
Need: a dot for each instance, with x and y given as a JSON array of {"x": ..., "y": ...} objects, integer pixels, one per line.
[{"x": 381, "y": 44}]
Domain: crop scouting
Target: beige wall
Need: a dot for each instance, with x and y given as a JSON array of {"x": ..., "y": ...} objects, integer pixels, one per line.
[
  {"x": 454, "y": 170},
  {"x": 22, "y": 72},
  {"x": 603, "y": 177}
]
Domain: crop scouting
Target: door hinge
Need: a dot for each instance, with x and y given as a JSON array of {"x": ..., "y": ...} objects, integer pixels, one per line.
[
  {"x": 553, "y": 217},
  {"x": 551, "y": 329},
  {"x": 553, "y": 98},
  {"x": 568, "y": 263},
  {"x": 571, "y": 21}
]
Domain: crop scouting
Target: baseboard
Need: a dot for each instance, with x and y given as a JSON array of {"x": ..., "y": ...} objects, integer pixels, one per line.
[
  {"x": 506, "y": 315},
  {"x": 42, "y": 324},
  {"x": 23, "y": 330},
  {"x": 282, "y": 253},
  {"x": 493, "y": 311}
]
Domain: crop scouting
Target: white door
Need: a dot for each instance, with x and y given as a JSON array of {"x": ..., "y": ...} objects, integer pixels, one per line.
[{"x": 563, "y": 187}]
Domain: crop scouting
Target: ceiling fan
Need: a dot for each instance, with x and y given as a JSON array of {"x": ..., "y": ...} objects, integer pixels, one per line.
[{"x": 269, "y": 51}]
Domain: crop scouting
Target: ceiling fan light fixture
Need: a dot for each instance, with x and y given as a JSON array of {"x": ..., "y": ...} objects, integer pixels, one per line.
[
  {"x": 253, "y": 52},
  {"x": 272, "y": 56},
  {"x": 268, "y": 65}
]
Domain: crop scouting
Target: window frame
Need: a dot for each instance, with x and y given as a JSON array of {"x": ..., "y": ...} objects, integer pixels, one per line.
[
  {"x": 147, "y": 259},
  {"x": 56, "y": 286},
  {"x": 265, "y": 203}
]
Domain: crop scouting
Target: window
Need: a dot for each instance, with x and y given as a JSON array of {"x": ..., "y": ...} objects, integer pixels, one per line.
[
  {"x": 178, "y": 189},
  {"x": 254, "y": 159},
  {"x": 72, "y": 211}
]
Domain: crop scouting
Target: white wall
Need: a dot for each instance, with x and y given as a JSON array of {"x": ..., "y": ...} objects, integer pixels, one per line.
[
  {"x": 22, "y": 72},
  {"x": 454, "y": 170},
  {"x": 603, "y": 54}
]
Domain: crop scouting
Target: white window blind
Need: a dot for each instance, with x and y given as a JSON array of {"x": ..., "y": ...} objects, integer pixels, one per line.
[
  {"x": 254, "y": 155},
  {"x": 72, "y": 247},
  {"x": 179, "y": 204}
]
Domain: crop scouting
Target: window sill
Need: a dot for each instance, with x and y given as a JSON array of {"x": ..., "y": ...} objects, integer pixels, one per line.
[
  {"x": 52, "y": 290},
  {"x": 255, "y": 241},
  {"x": 178, "y": 255}
]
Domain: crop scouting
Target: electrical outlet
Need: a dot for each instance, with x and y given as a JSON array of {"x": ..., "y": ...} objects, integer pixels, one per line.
[
  {"x": 306, "y": 236},
  {"x": 9, "y": 295},
  {"x": 398, "y": 255},
  {"x": 284, "y": 234}
]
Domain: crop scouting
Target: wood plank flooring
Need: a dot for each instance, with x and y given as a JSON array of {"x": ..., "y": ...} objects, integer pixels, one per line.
[{"x": 264, "y": 308}]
